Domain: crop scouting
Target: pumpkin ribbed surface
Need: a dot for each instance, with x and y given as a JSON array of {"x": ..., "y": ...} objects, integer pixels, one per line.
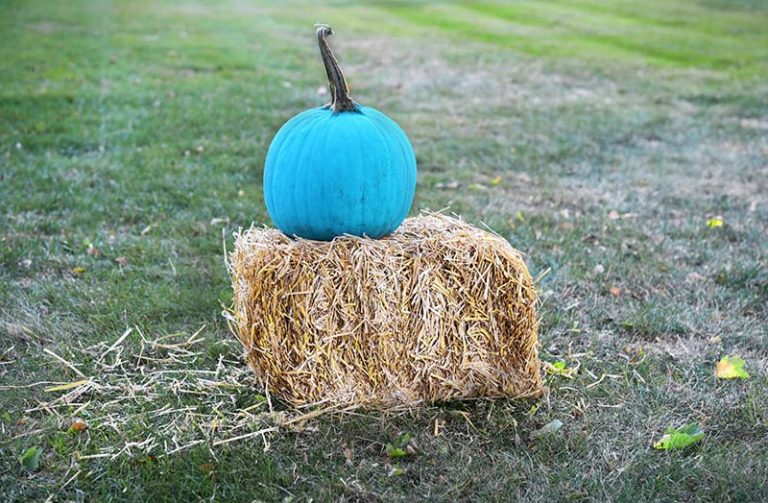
[{"x": 329, "y": 173}]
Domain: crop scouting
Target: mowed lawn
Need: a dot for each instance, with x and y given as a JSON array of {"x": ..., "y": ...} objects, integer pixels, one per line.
[{"x": 606, "y": 140}]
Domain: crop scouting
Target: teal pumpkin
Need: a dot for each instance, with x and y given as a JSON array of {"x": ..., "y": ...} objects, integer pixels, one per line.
[{"x": 339, "y": 169}]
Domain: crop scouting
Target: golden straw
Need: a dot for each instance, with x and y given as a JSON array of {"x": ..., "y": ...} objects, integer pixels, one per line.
[{"x": 438, "y": 311}]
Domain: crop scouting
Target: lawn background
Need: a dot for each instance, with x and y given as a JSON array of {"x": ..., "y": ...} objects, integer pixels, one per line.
[{"x": 598, "y": 137}]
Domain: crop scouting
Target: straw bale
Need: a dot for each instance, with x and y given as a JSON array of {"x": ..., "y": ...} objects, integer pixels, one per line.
[{"x": 440, "y": 310}]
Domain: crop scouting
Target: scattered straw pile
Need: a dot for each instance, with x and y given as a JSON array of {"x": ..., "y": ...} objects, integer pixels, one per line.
[{"x": 438, "y": 311}]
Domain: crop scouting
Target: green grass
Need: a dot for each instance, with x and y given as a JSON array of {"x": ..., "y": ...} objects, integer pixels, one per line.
[{"x": 139, "y": 130}]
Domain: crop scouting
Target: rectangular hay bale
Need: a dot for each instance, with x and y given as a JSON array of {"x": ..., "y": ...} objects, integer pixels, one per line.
[{"x": 438, "y": 311}]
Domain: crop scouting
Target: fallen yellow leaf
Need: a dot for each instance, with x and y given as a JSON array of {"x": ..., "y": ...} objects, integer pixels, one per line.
[
  {"x": 560, "y": 368},
  {"x": 731, "y": 367},
  {"x": 715, "y": 222}
]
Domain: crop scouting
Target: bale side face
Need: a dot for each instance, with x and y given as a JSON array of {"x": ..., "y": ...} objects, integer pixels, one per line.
[{"x": 438, "y": 311}]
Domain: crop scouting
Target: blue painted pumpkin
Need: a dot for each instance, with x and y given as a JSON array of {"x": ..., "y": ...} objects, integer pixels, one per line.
[{"x": 339, "y": 169}]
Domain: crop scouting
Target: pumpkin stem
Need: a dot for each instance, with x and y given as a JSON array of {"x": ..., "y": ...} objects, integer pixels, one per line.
[{"x": 340, "y": 100}]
